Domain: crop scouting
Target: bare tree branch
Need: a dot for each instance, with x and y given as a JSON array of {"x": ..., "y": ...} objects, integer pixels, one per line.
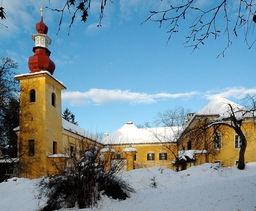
[{"x": 208, "y": 23}]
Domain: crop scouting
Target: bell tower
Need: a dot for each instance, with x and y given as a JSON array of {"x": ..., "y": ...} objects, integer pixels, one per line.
[{"x": 40, "y": 133}]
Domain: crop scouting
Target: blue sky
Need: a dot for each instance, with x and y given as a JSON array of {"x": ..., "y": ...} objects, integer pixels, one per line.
[{"x": 125, "y": 70}]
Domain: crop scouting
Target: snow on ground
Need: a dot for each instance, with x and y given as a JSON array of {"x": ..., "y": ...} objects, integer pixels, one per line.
[{"x": 199, "y": 188}]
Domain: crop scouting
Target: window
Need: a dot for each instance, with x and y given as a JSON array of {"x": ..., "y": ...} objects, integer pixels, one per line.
[
  {"x": 72, "y": 153},
  {"x": 217, "y": 141},
  {"x": 53, "y": 99},
  {"x": 237, "y": 141},
  {"x": 151, "y": 156},
  {"x": 32, "y": 95},
  {"x": 54, "y": 147},
  {"x": 162, "y": 156},
  {"x": 135, "y": 157},
  {"x": 189, "y": 145},
  {"x": 118, "y": 155},
  {"x": 31, "y": 147}
]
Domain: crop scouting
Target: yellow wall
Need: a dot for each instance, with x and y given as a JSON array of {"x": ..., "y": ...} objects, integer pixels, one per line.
[
  {"x": 227, "y": 155},
  {"x": 39, "y": 121},
  {"x": 142, "y": 151}
]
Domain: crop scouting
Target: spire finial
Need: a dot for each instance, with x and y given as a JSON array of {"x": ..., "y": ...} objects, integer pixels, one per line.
[{"x": 41, "y": 12}]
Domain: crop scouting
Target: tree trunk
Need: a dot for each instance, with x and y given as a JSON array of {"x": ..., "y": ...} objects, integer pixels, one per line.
[{"x": 241, "y": 162}]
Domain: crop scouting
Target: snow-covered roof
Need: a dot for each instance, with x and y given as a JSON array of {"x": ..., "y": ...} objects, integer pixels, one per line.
[
  {"x": 39, "y": 73},
  {"x": 220, "y": 106},
  {"x": 78, "y": 130},
  {"x": 187, "y": 154},
  {"x": 107, "y": 149},
  {"x": 130, "y": 134},
  {"x": 130, "y": 149}
]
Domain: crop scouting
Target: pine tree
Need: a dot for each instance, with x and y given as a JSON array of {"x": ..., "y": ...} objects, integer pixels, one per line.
[{"x": 69, "y": 116}]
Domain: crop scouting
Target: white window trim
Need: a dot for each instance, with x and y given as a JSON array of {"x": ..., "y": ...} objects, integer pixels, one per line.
[
  {"x": 235, "y": 141},
  {"x": 220, "y": 135}
]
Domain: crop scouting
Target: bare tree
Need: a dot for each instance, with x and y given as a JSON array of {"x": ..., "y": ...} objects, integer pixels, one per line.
[
  {"x": 173, "y": 120},
  {"x": 210, "y": 20},
  {"x": 172, "y": 117},
  {"x": 82, "y": 7}
]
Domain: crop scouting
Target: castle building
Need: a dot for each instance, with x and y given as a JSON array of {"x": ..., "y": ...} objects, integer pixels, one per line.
[
  {"x": 48, "y": 144},
  {"x": 181, "y": 147}
]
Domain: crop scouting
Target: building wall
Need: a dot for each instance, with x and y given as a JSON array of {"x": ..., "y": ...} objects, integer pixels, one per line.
[
  {"x": 142, "y": 156},
  {"x": 227, "y": 154},
  {"x": 40, "y": 123}
]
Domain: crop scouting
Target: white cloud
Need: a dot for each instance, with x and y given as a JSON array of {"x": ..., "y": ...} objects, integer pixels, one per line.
[
  {"x": 103, "y": 96},
  {"x": 232, "y": 92}
]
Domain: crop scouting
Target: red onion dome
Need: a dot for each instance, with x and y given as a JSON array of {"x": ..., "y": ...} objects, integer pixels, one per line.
[
  {"x": 41, "y": 61},
  {"x": 41, "y": 27}
]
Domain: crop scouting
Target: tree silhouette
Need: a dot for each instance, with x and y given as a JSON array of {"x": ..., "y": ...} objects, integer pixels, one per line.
[
  {"x": 82, "y": 7},
  {"x": 8, "y": 100},
  {"x": 69, "y": 116},
  {"x": 211, "y": 20}
]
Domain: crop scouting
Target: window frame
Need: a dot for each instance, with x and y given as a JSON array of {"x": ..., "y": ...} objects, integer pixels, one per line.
[
  {"x": 218, "y": 145},
  {"x": 72, "y": 151},
  {"x": 237, "y": 141},
  {"x": 150, "y": 156},
  {"x": 118, "y": 155},
  {"x": 54, "y": 147},
  {"x": 161, "y": 157},
  {"x": 31, "y": 147},
  {"x": 32, "y": 96}
]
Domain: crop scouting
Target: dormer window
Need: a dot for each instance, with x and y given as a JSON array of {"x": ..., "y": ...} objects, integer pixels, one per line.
[{"x": 32, "y": 95}]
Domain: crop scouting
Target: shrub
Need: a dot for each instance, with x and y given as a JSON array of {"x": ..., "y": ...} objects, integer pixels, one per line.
[{"x": 83, "y": 185}]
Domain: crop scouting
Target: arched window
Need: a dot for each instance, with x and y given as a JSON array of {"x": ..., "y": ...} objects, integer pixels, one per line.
[
  {"x": 53, "y": 99},
  {"x": 32, "y": 95}
]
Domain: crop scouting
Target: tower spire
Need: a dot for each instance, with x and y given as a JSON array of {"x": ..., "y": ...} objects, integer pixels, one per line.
[
  {"x": 41, "y": 12},
  {"x": 40, "y": 60}
]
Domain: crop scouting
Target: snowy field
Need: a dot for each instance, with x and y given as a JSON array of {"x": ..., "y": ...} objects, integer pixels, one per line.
[{"x": 201, "y": 188}]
